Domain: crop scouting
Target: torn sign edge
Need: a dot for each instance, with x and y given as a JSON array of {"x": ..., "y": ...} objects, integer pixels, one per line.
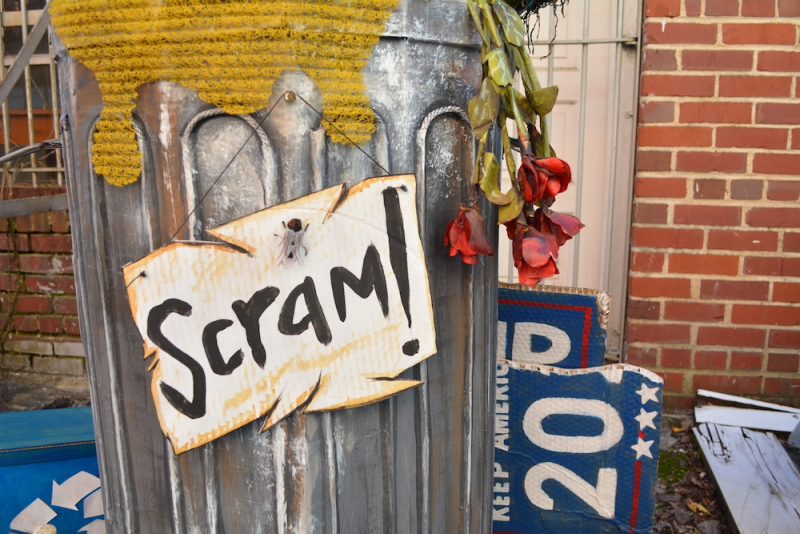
[
  {"x": 612, "y": 373},
  {"x": 333, "y": 198}
]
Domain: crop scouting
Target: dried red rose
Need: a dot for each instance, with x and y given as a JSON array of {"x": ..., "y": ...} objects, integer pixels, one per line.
[
  {"x": 541, "y": 179},
  {"x": 467, "y": 235},
  {"x": 560, "y": 225},
  {"x": 535, "y": 254}
]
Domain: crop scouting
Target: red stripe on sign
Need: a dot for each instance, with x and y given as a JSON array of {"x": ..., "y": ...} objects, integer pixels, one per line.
[
  {"x": 636, "y": 483},
  {"x": 587, "y": 322}
]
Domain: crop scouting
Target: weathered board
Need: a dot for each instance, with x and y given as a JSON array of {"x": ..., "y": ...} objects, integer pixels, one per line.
[
  {"x": 758, "y": 480},
  {"x": 315, "y": 304},
  {"x": 563, "y": 327},
  {"x": 747, "y": 418},
  {"x": 575, "y": 449}
]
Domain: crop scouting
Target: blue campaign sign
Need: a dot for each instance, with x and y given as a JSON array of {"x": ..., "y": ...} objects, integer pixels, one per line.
[
  {"x": 575, "y": 448},
  {"x": 565, "y": 327}
]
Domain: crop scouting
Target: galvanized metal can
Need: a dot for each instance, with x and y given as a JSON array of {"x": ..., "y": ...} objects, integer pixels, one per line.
[{"x": 419, "y": 462}]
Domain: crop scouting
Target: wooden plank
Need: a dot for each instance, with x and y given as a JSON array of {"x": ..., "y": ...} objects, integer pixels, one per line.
[
  {"x": 747, "y": 418},
  {"x": 744, "y": 400},
  {"x": 758, "y": 480},
  {"x": 20, "y": 207}
]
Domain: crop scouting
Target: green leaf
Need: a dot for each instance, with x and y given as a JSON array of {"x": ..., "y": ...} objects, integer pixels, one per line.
[
  {"x": 490, "y": 181},
  {"x": 511, "y": 22},
  {"x": 512, "y": 210},
  {"x": 528, "y": 114},
  {"x": 544, "y": 99},
  {"x": 522, "y": 67},
  {"x": 499, "y": 69},
  {"x": 483, "y": 108}
]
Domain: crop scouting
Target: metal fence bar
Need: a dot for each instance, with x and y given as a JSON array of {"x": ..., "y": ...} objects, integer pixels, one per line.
[
  {"x": 54, "y": 109},
  {"x": 29, "y": 90}
]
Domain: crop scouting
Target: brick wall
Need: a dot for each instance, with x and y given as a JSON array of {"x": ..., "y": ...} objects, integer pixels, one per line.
[
  {"x": 38, "y": 314},
  {"x": 714, "y": 295}
]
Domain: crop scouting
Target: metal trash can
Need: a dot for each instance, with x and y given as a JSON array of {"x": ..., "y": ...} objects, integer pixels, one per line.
[{"x": 418, "y": 462}]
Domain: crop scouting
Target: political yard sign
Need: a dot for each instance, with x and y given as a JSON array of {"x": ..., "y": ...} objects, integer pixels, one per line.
[
  {"x": 575, "y": 448},
  {"x": 315, "y": 304},
  {"x": 564, "y": 327}
]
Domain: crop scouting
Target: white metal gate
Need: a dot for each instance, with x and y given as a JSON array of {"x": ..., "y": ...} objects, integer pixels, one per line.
[{"x": 594, "y": 59}]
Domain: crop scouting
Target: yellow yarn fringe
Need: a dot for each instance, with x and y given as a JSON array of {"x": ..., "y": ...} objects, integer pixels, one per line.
[{"x": 229, "y": 52}]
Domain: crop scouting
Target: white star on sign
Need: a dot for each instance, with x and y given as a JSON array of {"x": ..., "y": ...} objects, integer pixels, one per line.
[
  {"x": 642, "y": 448},
  {"x": 646, "y": 419},
  {"x": 648, "y": 394}
]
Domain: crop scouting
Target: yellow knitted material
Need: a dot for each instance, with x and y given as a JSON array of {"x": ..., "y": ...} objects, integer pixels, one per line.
[{"x": 229, "y": 52}]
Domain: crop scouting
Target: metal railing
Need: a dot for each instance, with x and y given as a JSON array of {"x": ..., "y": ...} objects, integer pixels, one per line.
[{"x": 28, "y": 99}]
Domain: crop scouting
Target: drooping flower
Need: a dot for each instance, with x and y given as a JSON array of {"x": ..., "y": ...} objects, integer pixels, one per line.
[
  {"x": 467, "y": 235},
  {"x": 535, "y": 254},
  {"x": 542, "y": 179},
  {"x": 560, "y": 225}
]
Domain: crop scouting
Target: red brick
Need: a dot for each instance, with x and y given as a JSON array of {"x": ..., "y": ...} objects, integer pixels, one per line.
[
  {"x": 716, "y": 112},
  {"x": 742, "y": 240},
  {"x": 676, "y": 403},
  {"x": 746, "y": 361},
  {"x": 10, "y": 282},
  {"x": 708, "y": 215},
  {"x": 692, "y": 8},
  {"x": 775, "y": 34},
  {"x": 784, "y": 339},
  {"x": 783, "y": 363},
  {"x": 51, "y": 243},
  {"x": 642, "y": 356},
  {"x": 65, "y": 305},
  {"x": 774, "y": 217},
  {"x": 772, "y": 266},
  {"x": 673, "y": 382},
  {"x": 660, "y": 188},
  {"x": 717, "y": 60},
  {"x": 668, "y": 85},
  {"x": 776, "y": 163},
  {"x": 667, "y": 238},
  {"x": 749, "y": 137},
  {"x": 773, "y": 113},
  {"x": 747, "y": 189},
  {"x": 709, "y": 189},
  {"x": 783, "y": 190},
  {"x": 746, "y": 86},
  {"x": 786, "y": 292},
  {"x": 659, "y": 60},
  {"x": 703, "y": 264},
  {"x": 734, "y": 290},
  {"x": 659, "y": 333},
  {"x": 738, "y": 385},
  {"x": 71, "y": 326},
  {"x": 18, "y": 242},
  {"x": 657, "y": 112},
  {"x": 758, "y": 8},
  {"x": 650, "y": 213},
  {"x": 789, "y": 8},
  {"x": 680, "y": 33},
  {"x": 25, "y": 323},
  {"x": 33, "y": 223},
  {"x": 646, "y": 262},
  {"x": 51, "y": 325},
  {"x": 765, "y": 314},
  {"x": 671, "y": 136},
  {"x": 33, "y": 304},
  {"x": 710, "y": 360},
  {"x": 50, "y": 284},
  {"x": 779, "y": 61},
  {"x": 722, "y": 336},
  {"x": 722, "y": 7},
  {"x": 59, "y": 221},
  {"x": 694, "y": 311},
  {"x": 38, "y": 263},
  {"x": 791, "y": 242},
  {"x": 676, "y": 358},
  {"x": 643, "y": 309},
  {"x": 789, "y": 387},
  {"x": 647, "y": 160},
  {"x": 663, "y": 8},
  {"x": 659, "y": 287},
  {"x": 711, "y": 162}
]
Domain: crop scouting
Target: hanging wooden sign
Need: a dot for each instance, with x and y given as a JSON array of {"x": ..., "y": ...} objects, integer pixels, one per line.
[{"x": 316, "y": 304}]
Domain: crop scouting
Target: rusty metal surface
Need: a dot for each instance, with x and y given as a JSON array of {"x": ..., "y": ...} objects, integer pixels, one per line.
[{"x": 419, "y": 462}]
